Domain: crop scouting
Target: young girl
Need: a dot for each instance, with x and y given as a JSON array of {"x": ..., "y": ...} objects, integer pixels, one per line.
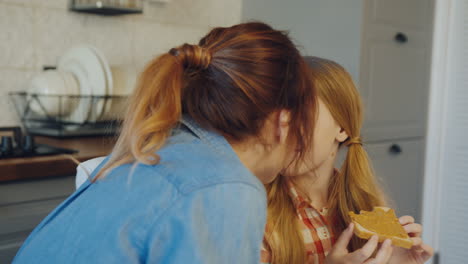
[
  {"x": 206, "y": 126},
  {"x": 308, "y": 211}
]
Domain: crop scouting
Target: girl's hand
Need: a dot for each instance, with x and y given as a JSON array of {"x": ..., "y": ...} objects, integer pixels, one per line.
[
  {"x": 340, "y": 254},
  {"x": 420, "y": 252}
]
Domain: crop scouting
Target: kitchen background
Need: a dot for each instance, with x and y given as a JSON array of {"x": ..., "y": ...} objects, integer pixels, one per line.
[
  {"x": 408, "y": 58},
  {"x": 35, "y": 33}
]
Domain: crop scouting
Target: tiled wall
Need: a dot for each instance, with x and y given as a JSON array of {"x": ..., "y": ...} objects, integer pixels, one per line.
[{"x": 34, "y": 33}]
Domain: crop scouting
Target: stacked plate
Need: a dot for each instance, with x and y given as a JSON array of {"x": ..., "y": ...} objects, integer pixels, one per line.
[
  {"x": 124, "y": 79},
  {"x": 49, "y": 93},
  {"x": 94, "y": 77},
  {"x": 79, "y": 90}
]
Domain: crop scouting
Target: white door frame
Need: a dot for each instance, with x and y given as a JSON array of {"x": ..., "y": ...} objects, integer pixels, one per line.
[{"x": 435, "y": 139}]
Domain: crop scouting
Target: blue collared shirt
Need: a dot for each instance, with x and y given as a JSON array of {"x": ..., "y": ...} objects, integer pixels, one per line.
[{"x": 198, "y": 205}]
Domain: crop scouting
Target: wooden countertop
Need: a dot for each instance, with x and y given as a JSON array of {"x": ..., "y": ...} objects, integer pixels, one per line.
[{"x": 55, "y": 165}]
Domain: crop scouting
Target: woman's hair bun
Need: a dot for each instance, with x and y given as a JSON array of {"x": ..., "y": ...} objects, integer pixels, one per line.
[{"x": 192, "y": 56}]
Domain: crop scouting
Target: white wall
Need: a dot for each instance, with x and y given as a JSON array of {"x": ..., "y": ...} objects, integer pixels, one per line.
[
  {"x": 446, "y": 177},
  {"x": 324, "y": 28},
  {"x": 34, "y": 33}
]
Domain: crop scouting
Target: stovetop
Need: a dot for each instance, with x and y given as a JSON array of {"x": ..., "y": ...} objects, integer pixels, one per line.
[{"x": 19, "y": 145}]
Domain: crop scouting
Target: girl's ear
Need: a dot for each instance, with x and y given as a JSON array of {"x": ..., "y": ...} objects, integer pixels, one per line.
[{"x": 341, "y": 136}]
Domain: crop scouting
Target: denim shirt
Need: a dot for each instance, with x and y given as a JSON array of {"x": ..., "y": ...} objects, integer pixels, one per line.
[{"x": 198, "y": 205}]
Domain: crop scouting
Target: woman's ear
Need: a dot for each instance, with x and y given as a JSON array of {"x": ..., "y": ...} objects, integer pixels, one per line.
[
  {"x": 284, "y": 117},
  {"x": 341, "y": 136}
]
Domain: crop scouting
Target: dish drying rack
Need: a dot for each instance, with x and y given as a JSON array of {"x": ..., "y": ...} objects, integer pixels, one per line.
[{"x": 98, "y": 117}]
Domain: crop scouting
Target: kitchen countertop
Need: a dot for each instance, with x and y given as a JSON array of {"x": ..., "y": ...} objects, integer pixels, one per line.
[{"x": 55, "y": 165}]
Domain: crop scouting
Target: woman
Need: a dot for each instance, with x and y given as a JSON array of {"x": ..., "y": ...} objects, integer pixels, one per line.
[
  {"x": 308, "y": 209},
  {"x": 205, "y": 128}
]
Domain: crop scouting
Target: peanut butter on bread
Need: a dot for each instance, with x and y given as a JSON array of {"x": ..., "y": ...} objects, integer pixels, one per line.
[{"x": 383, "y": 222}]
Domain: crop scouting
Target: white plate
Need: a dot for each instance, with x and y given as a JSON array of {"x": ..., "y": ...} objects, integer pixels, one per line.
[
  {"x": 124, "y": 79},
  {"x": 49, "y": 85},
  {"x": 85, "y": 65},
  {"x": 109, "y": 80}
]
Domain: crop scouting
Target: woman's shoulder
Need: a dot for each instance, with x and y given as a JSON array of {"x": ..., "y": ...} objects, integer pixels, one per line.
[
  {"x": 187, "y": 165},
  {"x": 191, "y": 164}
]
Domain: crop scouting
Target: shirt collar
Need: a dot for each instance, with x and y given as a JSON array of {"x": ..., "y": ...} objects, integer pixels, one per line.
[
  {"x": 212, "y": 139},
  {"x": 299, "y": 200},
  {"x": 220, "y": 145}
]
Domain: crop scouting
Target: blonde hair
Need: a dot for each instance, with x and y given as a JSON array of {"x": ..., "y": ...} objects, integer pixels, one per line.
[{"x": 354, "y": 188}]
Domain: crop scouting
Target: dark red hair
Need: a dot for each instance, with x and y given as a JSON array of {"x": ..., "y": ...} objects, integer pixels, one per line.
[{"x": 229, "y": 83}]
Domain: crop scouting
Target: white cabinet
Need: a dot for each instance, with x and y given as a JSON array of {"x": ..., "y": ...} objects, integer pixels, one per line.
[
  {"x": 398, "y": 165},
  {"x": 23, "y": 205},
  {"x": 395, "y": 65},
  {"x": 395, "y": 77},
  {"x": 9, "y": 245},
  {"x": 400, "y": 13}
]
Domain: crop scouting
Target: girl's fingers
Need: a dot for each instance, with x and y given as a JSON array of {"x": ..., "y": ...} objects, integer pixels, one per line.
[
  {"x": 427, "y": 253},
  {"x": 345, "y": 237},
  {"x": 417, "y": 241},
  {"x": 413, "y": 229},
  {"x": 371, "y": 261},
  {"x": 406, "y": 219},
  {"x": 361, "y": 255},
  {"x": 385, "y": 252}
]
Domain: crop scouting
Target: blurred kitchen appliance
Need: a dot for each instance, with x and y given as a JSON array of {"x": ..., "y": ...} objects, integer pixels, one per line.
[
  {"x": 15, "y": 144},
  {"x": 107, "y": 7}
]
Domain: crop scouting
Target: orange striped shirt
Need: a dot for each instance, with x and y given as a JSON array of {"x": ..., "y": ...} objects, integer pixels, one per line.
[{"x": 318, "y": 237}]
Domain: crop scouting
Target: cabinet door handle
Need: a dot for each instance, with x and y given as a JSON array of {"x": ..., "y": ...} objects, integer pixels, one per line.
[
  {"x": 395, "y": 149},
  {"x": 401, "y": 37}
]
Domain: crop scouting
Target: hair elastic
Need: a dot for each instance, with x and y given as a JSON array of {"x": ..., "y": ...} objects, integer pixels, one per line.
[{"x": 353, "y": 141}]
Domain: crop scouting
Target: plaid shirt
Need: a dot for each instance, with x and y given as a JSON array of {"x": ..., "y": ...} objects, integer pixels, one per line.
[{"x": 318, "y": 238}]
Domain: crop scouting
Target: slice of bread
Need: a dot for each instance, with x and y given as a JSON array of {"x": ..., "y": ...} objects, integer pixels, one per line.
[{"x": 383, "y": 222}]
